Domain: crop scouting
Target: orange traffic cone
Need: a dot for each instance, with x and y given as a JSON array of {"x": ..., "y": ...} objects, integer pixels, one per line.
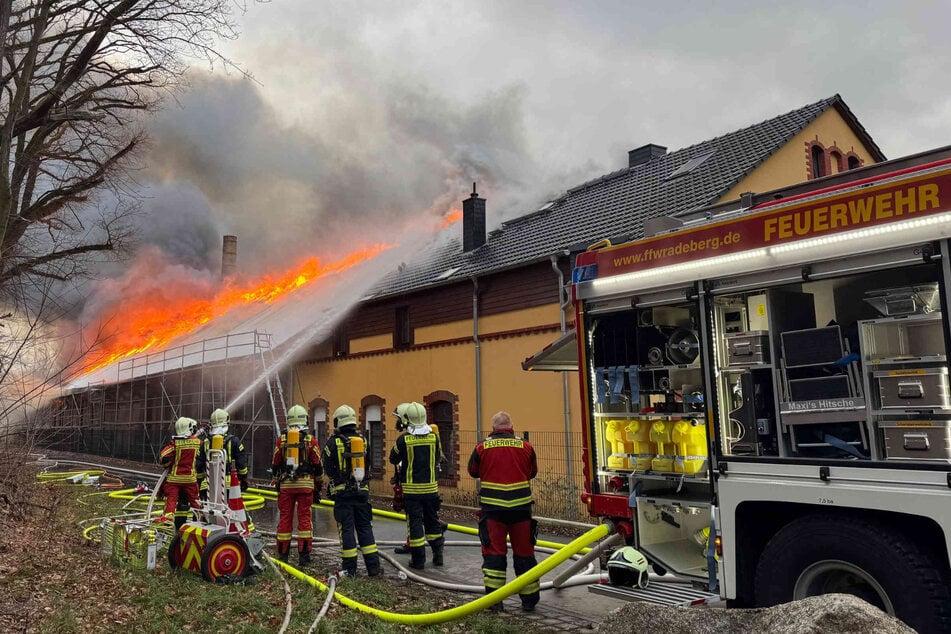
[{"x": 236, "y": 503}]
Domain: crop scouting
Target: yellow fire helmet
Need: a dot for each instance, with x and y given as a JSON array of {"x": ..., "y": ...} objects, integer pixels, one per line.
[
  {"x": 297, "y": 417},
  {"x": 344, "y": 416}
]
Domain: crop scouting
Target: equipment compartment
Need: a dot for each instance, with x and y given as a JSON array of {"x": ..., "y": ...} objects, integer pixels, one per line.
[
  {"x": 673, "y": 533},
  {"x": 916, "y": 439},
  {"x": 901, "y": 339},
  {"x": 922, "y": 388},
  {"x": 747, "y": 348}
]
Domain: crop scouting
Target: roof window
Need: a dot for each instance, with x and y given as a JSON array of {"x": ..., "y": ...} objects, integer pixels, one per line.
[{"x": 689, "y": 166}]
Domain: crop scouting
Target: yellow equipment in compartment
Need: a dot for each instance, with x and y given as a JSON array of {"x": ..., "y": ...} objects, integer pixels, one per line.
[
  {"x": 642, "y": 449},
  {"x": 661, "y": 434},
  {"x": 690, "y": 441},
  {"x": 620, "y": 446}
]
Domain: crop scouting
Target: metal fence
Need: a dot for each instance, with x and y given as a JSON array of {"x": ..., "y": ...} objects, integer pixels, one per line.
[{"x": 557, "y": 488}]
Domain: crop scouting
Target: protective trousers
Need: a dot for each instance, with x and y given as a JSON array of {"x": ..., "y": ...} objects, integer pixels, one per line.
[
  {"x": 422, "y": 515},
  {"x": 353, "y": 515},
  {"x": 174, "y": 489},
  {"x": 287, "y": 499},
  {"x": 493, "y": 531}
]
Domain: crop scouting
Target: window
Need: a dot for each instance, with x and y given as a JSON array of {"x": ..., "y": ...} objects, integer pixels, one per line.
[
  {"x": 854, "y": 162},
  {"x": 371, "y": 412},
  {"x": 689, "y": 166},
  {"x": 403, "y": 334},
  {"x": 835, "y": 159},
  {"x": 443, "y": 415},
  {"x": 318, "y": 414},
  {"x": 818, "y": 161},
  {"x": 341, "y": 342}
]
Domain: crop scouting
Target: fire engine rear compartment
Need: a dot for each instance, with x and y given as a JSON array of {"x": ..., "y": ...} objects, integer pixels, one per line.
[{"x": 843, "y": 360}]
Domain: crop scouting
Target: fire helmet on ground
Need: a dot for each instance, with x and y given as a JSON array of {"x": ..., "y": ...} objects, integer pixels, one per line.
[
  {"x": 628, "y": 567},
  {"x": 344, "y": 416},
  {"x": 219, "y": 420},
  {"x": 185, "y": 426},
  {"x": 297, "y": 417},
  {"x": 400, "y": 414},
  {"x": 415, "y": 415}
]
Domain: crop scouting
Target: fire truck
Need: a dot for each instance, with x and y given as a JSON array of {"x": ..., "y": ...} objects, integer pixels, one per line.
[{"x": 765, "y": 396}]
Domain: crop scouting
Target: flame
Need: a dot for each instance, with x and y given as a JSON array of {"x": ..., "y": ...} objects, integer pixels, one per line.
[
  {"x": 454, "y": 215},
  {"x": 142, "y": 323}
]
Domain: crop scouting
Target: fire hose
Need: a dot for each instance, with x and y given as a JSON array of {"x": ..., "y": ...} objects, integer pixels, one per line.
[{"x": 476, "y": 605}]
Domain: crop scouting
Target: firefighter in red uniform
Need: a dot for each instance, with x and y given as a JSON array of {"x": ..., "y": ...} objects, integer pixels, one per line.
[
  {"x": 296, "y": 468},
  {"x": 184, "y": 460},
  {"x": 505, "y": 465}
]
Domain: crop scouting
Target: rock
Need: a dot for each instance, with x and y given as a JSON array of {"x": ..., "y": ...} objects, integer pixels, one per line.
[{"x": 827, "y": 614}]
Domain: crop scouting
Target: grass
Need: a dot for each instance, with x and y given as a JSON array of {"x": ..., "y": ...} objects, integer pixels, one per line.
[{"x": 54, "y": 581}]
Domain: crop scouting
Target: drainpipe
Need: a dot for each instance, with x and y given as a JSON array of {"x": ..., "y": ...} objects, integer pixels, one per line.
[
  {"x": 478, "y": 357},
  {"x": 564, "y": 302}
]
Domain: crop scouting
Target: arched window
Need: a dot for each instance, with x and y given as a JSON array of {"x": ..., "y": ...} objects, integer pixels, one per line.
[
  {"x": 854, "y": 162},
  {"x": 318, "y": 414},
  {"x": 835, "y": 161},
  {"x": 818, "y": 161},
  {"x": 371, "y": 415},
  {"x": 443, "y": 411}
]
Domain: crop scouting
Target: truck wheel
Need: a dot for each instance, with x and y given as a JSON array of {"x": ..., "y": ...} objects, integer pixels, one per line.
[{"x": 823, "y": 554}]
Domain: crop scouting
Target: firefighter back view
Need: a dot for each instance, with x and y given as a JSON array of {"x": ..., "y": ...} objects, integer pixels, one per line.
[
  {"x": 184, "y": 460},
  {"x": 419, "y": 453},
  {"x": 343, "y": 462},
  {"x": 506, "y": 464},
  {"x": 235, "y": 455},
  {"x": 297, "y": 470}
]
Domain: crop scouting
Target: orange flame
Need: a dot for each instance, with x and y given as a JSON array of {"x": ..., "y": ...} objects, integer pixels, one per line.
[
  {"x": 454, "y": 215},
  {"x": 144, "y": 323}
]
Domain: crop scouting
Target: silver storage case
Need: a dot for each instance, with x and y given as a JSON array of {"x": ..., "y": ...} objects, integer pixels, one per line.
[
  {"x": 906, "y": 300},
  {"x": 916, "y": 439},
  {"x": 925, "y": 388},
  {"x": 747, "y": 348}
]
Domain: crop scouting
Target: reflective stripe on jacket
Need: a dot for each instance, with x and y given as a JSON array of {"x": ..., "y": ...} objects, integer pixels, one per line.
[
  {"x": 420, "y": 456},
  {"x": 337, "y": 465},
  {"x": 182, "y": 456}
]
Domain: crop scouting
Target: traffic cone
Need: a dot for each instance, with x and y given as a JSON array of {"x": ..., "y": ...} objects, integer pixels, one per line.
[{"x": 239, "y": 523}]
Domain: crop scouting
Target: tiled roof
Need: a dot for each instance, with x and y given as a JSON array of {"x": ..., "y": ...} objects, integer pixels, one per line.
[{"x": 616, "y": 205}]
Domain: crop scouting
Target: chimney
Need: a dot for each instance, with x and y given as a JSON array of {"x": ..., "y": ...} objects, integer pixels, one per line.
[
  {"x": 229, "y": 256},
  {"x": 473, "y": 221},
  {"x": 644, "y": 154}
]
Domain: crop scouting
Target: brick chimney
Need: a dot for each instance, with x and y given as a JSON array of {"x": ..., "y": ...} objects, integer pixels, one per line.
[
  {"x": 229, "y": 256},
  {"x": 473, "y": 221},
  {"x": 644, "y": 154}
]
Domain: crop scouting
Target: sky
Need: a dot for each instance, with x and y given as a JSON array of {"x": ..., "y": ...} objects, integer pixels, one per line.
[{"x": 368, "y": 121}]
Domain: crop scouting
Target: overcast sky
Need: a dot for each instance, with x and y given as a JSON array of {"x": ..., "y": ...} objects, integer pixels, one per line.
[{"x": 370, "y": 118}]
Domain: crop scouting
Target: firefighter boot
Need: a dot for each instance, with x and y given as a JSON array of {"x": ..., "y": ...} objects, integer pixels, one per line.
[
  {"x": 437, "y": 554},
  {"x": 417, "y": 557},
  {"x": 303, "y": 556},
  {"x": 403, "y": 549},
  {"x": 283, "y": 550}
]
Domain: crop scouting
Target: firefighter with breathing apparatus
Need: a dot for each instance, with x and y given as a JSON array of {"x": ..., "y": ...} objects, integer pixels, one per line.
[
  {"x": 184, "y": 460},
  {"x": 344, "y": 459},
  {"x": 235, "y": 455},
  {"x": 419, "y": 453},
  {"x": 296, "y": 468}
]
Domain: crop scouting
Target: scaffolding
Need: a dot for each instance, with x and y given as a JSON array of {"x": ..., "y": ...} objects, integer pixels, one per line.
[{"x": 132, "y": 417}]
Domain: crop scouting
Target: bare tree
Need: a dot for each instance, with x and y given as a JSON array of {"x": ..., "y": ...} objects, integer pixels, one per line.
[{"x": 75, "y": 78}]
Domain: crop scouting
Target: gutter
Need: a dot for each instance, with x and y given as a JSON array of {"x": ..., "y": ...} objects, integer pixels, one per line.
[{"x": 563, "y": 304}]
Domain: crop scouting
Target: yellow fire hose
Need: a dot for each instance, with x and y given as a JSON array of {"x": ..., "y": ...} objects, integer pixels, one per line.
[{"x": 472, "y": 607}]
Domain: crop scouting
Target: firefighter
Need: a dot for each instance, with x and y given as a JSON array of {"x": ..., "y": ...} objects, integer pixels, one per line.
[
  {"x": 420, "y": 453},
  {"x": 505, "y": 465},
  {"x": 344, "y": 465},
  {"x": 235, "y": 455},
  {"x": 396, "y": 480},
  {"x": 184, "y": 460},
  {"x": 297, "y": 470}
]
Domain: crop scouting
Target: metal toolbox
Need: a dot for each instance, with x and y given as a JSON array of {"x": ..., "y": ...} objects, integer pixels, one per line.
[
  {"x": 747, "y": 348},
  {"x": 906, "y": 300},
  {"x": 916, "y": 439},
  {"x": 924, "y": 388}
]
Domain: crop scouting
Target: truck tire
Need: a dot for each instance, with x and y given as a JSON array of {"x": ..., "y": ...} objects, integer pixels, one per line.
[{"x": 822, "y": 554}]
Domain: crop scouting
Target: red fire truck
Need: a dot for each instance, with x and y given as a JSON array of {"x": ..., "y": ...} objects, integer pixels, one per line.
[{"x": 765, "y": 395}]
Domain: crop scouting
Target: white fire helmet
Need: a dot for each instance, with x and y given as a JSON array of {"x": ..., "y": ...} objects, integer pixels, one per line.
[
  {"x": 344, "y": 416},
  {"x": 400, "y": 413},
  {"x": 415, "y": 416},
  {"x": 185, "y": 426},
  {"x": 297, "y": 417},
  {"x": 628, "y": 567},
  {"x": 219, "y": 420}
]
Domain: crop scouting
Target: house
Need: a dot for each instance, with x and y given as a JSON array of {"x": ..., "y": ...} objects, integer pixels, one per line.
[{"x": 453, "y": 329}]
